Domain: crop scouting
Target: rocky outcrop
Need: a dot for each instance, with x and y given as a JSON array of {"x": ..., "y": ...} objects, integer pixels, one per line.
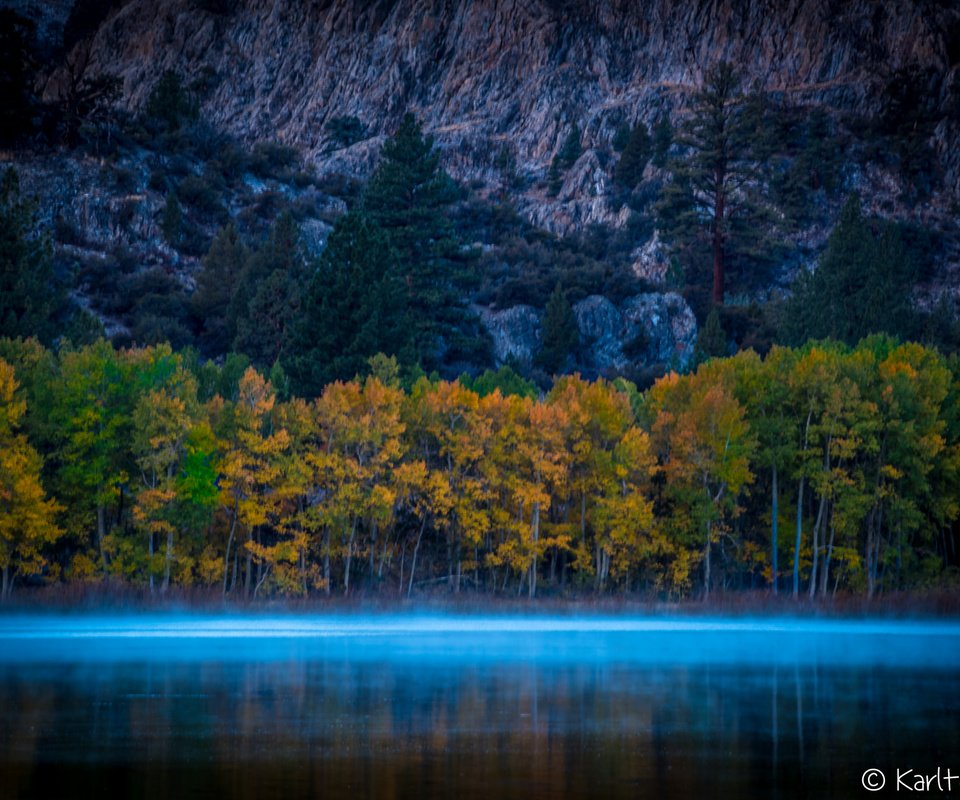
[
  {"x": 515, "y": 333},
  {"x": 645, "y": 330},
  {"x": 501, "y": 82}
]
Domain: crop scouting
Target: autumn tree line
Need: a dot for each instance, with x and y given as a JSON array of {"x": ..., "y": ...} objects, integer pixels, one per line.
[{"x": 808, "y": 471}]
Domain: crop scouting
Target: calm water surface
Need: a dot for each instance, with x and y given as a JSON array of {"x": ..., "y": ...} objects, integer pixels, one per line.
[{"x": 420, "y": 707}]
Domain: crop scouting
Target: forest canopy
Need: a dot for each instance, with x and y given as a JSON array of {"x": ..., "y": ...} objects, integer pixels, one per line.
[{"x": 811, "y": 470}]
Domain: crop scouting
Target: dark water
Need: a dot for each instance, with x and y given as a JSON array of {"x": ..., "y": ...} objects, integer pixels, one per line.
[{"x": 165, "y": 707}]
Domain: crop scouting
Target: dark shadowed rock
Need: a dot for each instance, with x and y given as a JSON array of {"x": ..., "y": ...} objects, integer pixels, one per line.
[
  {"x": 646, "y": 330},
  {"x": 515, "y": 332}
]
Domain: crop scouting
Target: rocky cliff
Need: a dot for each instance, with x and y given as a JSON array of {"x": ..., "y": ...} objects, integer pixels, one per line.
[{"x": 501, "y": 82}]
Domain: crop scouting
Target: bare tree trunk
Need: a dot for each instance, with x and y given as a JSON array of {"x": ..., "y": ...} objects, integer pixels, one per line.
[
  {"x": 7, "y": 583},
  {"x": 226, "y": 556},
  {"x": 817, "y": 527},
  {"x": 101, "y": 534},
  {"x": 717, "y": 237},
  {"x": 536, "y": 538},
  {"x": 706, "y": 566},
  {"x": 383, "y": 557},
  {"x": 326, "y": 562},
  {"x": 248, "y": 575},
  {"x": 150, "y": 553},
  {"x": 166, "y": 566},
  {"x": 373, "y": 547},
  {"x": 774, "y": 530},
  {"x": 346, "y": 570},
  {"x": 798, "y": 540},
  {"x": 829, "y": 555},
  {"x": 416, "y": 549}
]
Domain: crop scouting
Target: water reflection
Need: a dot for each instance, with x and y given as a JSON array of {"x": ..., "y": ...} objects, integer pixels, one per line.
[{"x": 347, "y": 727}]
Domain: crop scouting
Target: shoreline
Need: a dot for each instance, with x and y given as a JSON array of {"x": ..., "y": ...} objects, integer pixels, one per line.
[{"x": 122, "y": 599}]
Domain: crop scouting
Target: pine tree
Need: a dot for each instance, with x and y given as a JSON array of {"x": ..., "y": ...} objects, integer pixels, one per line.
[
  {"x": 222, "y": 267},
  {"x": 636, "y": 154},
  {"x": 170, "y": 104},
  {"x": 29, "y": 293},
  {"x": 410, "y": 198},
  {"x": 662, "y": 140},
  {"x": 861, "y": 285},
  {"x": 267, "y": 298},
  {"x": 711, "y": 341},
  {"x": 565, "y": 158},
  {"x": 171, "y": 221},
  {"x": 560, "y": 336},
  {"x": 710, "y": 209},
  {"x": 354, "y": 308}
]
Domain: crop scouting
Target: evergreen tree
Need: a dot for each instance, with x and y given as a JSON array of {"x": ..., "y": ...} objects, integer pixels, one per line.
[
  {"x": 410, "y": 198},
  {"x": 267, "y": 297},
  {"x": 636, "y": 154},
  {"x": 560, "y": 336},
  {"x": 171, "y": 221},
  {"x": 170, "y": 104},
  {"x": 222, "y": 267},
  {"x": 861, "y": 285},
  {"x": 17, "y": 69},
  {"x": 29, "y": 293},
  {"x": 711, "y": 341},
  {"x": 354, "y": 308},
  {"x": 710, "y": 209},
  {"x": 662, "y": 140},
  {"x": 565, "y": 158},
  {"x": 621, "y": 138}
]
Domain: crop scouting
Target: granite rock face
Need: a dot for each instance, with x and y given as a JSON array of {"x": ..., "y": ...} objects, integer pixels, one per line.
[
  {"x": 515, "y": 332},
  {"x": 500, "y": 83},
  {"x": 645, "y": 330}
]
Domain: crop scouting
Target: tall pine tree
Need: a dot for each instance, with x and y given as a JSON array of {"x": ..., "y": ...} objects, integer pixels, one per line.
[
  {"x": 267, "y": 297},
  {"x": 410, "y": 197},
  {"x": 222, "y": 267},
  {"x": 29, "y": 293},
  {"x": 711, "y": 209},
  {"x": 354, "y": 307},
  {"x": 861, "y": 285},
  {"x": 560, "y": 333}
]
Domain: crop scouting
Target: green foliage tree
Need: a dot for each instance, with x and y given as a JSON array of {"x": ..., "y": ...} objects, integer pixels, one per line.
[
  {"x": 566, "y": 157},
  {"x": 346, "y": 131},
  {"x": 621, "y": 137},
  {"x": 861, "y": 285},
  {"x": 211, "y": 303},
  {"x": 171, "y": 220},
  {"x": 560, "y": 335},
  {"x": 170, "y": 104},
  {"x": 27, "y": 517},
  {"x": 633, "y": 160},
  {"x": 711, "y": 340},
  {"x": 410, "y": 198},
  {"x": 354, "y": 307},
  {"x": 711, "y": 210},
  {"x": 29, "y": 293},
  {"x": 662, "y": 140},
  {"x": 267, "y": 299}
]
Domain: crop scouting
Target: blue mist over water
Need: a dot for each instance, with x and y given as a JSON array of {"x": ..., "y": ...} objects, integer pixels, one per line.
[{"x": 433, "y": 638}]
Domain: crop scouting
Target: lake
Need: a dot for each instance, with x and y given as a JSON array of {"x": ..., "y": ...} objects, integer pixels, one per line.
[{"x": 164, "y": 706}]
